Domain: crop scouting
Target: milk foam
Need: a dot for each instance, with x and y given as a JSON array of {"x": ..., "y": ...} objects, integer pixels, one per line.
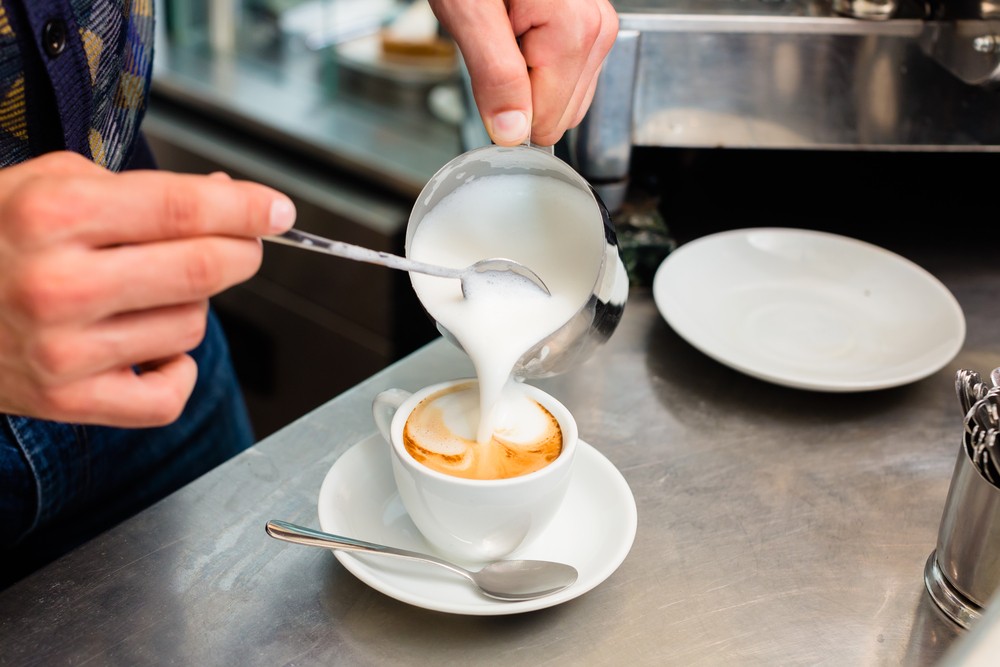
[
  {"x": 441, "y": 433},
  {"x": 541, "y": 222}
]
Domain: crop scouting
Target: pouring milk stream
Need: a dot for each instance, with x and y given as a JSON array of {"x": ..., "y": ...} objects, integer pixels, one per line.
[{"x": 551, "y": 225}]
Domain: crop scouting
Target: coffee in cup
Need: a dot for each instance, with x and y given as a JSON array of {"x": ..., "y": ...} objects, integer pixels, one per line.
[
  {"x": 441, "y": 433},
  {"x": 465, "y": 518}
]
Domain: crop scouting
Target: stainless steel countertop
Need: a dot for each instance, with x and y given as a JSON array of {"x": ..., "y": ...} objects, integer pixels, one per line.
[{"x": 776, "y": 527}]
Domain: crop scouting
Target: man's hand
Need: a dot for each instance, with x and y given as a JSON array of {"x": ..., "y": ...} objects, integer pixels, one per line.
[
  {"x": 102, "y": 274},
  {"x": 533, "y": 63}
]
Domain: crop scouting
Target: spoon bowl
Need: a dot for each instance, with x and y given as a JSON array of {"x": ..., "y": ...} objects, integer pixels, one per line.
[{"x": 508, "y": 580}]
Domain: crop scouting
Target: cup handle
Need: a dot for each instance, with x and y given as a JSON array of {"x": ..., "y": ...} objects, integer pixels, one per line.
[{"x": 384, "y": 407}]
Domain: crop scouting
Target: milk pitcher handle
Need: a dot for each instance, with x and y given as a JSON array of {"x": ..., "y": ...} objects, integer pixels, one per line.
[
  {"x": 551, "y": 150},
  {"x": 384, "y": 407}
]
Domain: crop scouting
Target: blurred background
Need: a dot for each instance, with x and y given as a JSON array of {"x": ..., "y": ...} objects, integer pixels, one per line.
[{"x": 879, "y": 119}]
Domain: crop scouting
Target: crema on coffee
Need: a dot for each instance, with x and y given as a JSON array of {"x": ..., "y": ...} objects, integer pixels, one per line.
[{"x": 441, "y": 431}]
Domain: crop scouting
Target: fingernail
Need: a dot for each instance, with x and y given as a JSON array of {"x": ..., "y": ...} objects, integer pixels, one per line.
[
  {"x": 282, "y": 215},
  {"x": 510, "y": 127},
  {"x": 220, "y": 176}
]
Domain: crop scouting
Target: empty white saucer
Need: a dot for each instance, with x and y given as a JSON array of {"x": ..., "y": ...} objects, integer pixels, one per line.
[
  {"x": 593, "y": 532},
  {"x": 809, "y": 309}
]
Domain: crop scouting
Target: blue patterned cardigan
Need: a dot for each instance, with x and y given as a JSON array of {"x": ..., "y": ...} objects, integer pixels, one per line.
[{"x": 90, "y": 96}]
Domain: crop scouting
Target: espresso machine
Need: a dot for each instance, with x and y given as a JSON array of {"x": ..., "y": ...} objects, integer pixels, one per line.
[{"x": 815, "y": 75}]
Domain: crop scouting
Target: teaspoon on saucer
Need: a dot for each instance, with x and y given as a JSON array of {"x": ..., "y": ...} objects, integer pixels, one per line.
[
  {"x": 484, "y": 268},
  {"x": 509, "y": 580}
]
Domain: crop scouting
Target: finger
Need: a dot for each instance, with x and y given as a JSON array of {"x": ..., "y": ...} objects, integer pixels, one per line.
[
  {"x": 563, "y": 57},
  {"x": 585, "y": 105},
  {"x": 171, "y": 273},
  {"x": 164, "y": 205},
  {"x": 142, "y": 206},
  {"x": 123, "y": 398},
  {"x": 586, "y": 86},
  {"x": 497, "y": 69},
  {"x": 29, "y": 192},
  {"x": 84, "y": 286},
  {"x": 59, "y": 163},
  {"x": 70, "y": 354},
  {"x": 556, "y": 53}
]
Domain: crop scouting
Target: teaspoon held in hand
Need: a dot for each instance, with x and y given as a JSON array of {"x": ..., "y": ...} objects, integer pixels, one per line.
[
  {"x": 498, "y": 267},
  {"x": 508, "y": 580}
]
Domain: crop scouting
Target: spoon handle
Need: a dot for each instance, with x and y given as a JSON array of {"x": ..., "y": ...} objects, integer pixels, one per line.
[
  {"x": 289, "y": 532},
  {"x": 307, "y": 241}
]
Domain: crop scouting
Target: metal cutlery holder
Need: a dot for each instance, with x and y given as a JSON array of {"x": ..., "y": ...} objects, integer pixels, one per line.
[{"x": 963, "y": 572}]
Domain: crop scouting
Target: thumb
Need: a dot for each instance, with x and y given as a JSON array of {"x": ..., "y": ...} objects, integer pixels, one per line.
[{"x": 500, "y": 82}]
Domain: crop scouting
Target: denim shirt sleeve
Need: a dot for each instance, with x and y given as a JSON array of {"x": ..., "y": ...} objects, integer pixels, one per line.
[
  {"x": 62, "y": 483},
  {"x": 50, "y": 451}
]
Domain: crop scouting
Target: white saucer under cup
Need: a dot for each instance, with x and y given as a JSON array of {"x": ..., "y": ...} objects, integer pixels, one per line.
[{"x": 593, "y": 531}]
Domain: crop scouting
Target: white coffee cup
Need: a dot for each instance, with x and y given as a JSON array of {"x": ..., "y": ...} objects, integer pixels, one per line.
[{"x": 475, "y": 520}]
